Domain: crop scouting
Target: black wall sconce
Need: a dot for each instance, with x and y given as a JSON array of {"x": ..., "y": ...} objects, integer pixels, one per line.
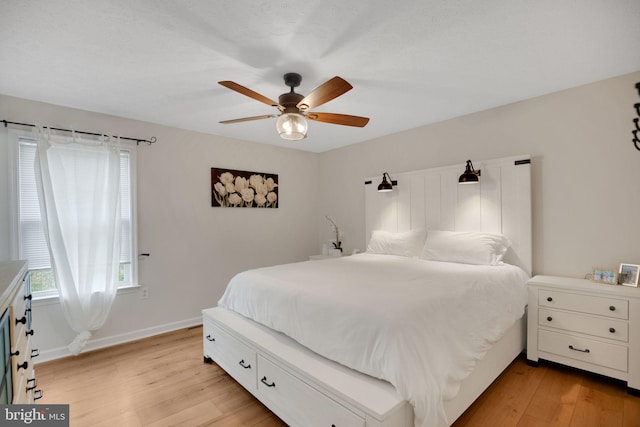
[
  {"x": 386, "y": 185},
  {"x": 470, "y": 175},
  {"x": 636, "y": 140}
]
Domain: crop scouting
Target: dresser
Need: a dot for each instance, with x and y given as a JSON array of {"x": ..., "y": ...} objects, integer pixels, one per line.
[
  {"x": 17, "y": 353},
  {"x": 586, "y": 325}
]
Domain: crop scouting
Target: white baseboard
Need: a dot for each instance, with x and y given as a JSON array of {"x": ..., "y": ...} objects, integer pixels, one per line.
[{"x": 58, "y": 353}]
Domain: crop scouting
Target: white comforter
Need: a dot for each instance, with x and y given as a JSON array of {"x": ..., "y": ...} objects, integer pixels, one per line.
[{"x": 421, "y": 325}]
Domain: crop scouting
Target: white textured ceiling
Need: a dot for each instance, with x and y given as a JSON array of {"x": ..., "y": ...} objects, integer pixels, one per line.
[{"x": 411, "y": 62}]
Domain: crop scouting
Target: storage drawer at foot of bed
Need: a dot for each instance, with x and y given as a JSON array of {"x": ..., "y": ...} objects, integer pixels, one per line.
[
  {"x": 595, "y": 352},
  {"x": 312, "y": 408},
  {"x": 238, "y": 359}
]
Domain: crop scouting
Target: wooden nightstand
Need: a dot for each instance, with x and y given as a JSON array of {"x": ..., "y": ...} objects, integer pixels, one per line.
[{"x": 586, "y": 325}]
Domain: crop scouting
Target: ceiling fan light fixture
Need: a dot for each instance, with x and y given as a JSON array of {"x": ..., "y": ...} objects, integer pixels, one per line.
[{"x": 292, "y": 126}]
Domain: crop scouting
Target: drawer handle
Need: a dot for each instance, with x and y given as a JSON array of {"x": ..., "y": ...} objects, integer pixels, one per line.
[
  {"x": 29, "y": 333},
  {"x": 28, "y": 297},
  {"x": 586, "y": 350},
  {"x": 37, "y": 394},
  {"x": 210, "y": 338},
  {"x": 244, "y": 364},
  {"x": 612, "y": 308},
  {"x": 265, "y": 382},
  {"x": 35, "y": 352},
  {"x": 25, "y": 365},
  {"x": 17, "y": 353},
  {"x": 612, "y": 330},
  {"x": 549, "y": 318},
  {"x": 549, "y": 299},
  {"x": 23, "y": 320}
]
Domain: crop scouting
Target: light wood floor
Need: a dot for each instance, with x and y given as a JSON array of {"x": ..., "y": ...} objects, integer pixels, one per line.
[{"x": 162, "y": 381}]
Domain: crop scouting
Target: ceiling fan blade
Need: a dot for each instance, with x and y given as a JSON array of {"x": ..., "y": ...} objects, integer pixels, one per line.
[
  {"x": 327, "y": 91},
  {"x": 339, "y": 119},
  {"x": 248, "y": 92},
  {"x": 248, "y": 119}
]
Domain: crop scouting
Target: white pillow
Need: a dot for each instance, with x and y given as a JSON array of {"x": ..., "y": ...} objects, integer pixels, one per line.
[
  {"x": 473, "y": 247},
  {"x": 405, "y": 243}
]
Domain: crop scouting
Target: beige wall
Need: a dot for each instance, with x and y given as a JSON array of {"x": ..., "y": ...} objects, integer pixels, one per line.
[{"x": 585, "y": 171}]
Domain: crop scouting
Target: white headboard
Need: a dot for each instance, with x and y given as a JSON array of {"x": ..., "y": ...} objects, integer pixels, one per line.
[{"x": 432, "y": 199}]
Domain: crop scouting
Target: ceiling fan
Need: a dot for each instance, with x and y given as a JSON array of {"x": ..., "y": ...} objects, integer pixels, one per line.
[{"x": 294, "y": 107}]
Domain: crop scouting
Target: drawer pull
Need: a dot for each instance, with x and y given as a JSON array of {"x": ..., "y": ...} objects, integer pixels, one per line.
[
  {"x": 28, "y": 297},
  {"x": 265, "y": 382},
  {"x": 37, "y": 394},
  {"x": 23, "y": 320},
  {"x": 612, "y": 330},
  {"x": 33, "y": 380},
  {"x": 25, "y": 365},
  {"x": 549, "y": 299},
  {"x": 586, "y": 350},
  {"x": 29, "y": 333},
  {"x": 244, "y": 364},
  {"x": 17, "y": 353},
  {"x": 210, "y": 338},
  {"x": 35, "y": 352},
  {"x": 549, "y": 318},
  {"x": 612, "y": 308}
]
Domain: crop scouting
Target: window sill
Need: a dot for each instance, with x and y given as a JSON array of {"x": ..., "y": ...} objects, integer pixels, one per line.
[{"x": 54, "y": 299}]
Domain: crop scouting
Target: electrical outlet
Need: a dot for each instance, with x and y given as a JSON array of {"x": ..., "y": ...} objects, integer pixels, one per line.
[{"x": 144, "y": 292}]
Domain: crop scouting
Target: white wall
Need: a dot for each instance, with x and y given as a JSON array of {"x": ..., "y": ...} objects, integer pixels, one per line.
[
  {"x": 195, "y": 249},
  {"x": 585, "y": 171}
]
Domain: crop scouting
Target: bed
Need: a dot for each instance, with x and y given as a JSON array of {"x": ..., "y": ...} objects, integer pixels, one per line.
[{"x": 408, "y": 333}]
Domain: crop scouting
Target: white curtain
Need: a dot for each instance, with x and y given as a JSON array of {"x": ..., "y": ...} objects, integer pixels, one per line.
[{"x": 78, "y": 187}]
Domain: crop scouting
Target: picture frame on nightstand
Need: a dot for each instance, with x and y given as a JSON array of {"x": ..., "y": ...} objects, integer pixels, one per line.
[
  {"x": 608, "y": 277},
  {"x": 628, "y": 274}
]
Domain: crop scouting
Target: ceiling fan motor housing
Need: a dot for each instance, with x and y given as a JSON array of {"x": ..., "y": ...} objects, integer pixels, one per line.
[{"x": 289, "y": 101}]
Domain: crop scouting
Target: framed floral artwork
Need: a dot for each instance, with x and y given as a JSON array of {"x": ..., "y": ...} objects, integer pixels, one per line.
[{"x": 242, "y": 189}]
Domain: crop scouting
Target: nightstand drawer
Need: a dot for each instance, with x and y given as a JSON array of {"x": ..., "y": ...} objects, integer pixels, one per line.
[
  {"x": 588, "y": 304},
  {"x": 596, "y": 352},
  {"x": 590, "y": 325}
]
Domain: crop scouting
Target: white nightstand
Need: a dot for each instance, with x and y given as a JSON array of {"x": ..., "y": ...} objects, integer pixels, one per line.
[{"x": 586, "y": 325}]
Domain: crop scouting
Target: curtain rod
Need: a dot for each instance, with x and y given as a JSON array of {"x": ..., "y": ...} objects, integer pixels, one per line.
[{"x": 137, "y": 140}]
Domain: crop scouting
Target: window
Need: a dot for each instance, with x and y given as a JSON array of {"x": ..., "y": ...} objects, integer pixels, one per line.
[{"x": 30, "y": 240}]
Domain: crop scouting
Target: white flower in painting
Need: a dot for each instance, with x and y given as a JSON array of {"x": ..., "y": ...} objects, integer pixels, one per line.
[
  {"x": 255, "y": 181},
  {"x": 220, "y": 188},
  {"x": 247, "y": 194},
  {"x": 260, "y": 199},
  {"x": 235, "y": 199},
  {"x": 272, "y": 197},
  {"x": 261, "y": 187},
  {"x": 241, "y": 184},
  {"x": 226, "y": 178},
  {"x": 230, "y": 187},
  {"x": 270, "y": 183}
]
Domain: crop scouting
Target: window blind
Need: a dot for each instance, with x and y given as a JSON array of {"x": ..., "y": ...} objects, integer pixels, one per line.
[{"x": 32, "y": 245}]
